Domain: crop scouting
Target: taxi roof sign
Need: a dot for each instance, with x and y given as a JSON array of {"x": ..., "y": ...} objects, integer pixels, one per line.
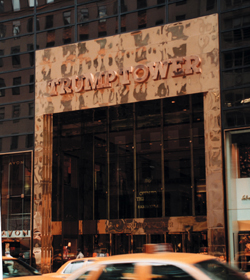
[{"x": 156, "y": 248}]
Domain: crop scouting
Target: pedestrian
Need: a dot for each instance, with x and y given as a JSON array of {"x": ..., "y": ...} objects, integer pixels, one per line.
[{"x": 79, "y": 254}]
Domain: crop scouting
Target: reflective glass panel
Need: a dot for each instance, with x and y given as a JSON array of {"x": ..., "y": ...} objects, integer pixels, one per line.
[
  {"x": 148, "y": 159},
  {"x": 97, "y": 29},
  {"x": 121, "y": 162},
  {"x": 55, "y": 38},
  {"x": 177, "y": 156}
]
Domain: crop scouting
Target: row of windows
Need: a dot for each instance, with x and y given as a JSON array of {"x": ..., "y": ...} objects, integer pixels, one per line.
[
  {"x": 16, "y": 83},
  {"x": 17, "y": 142},
  {"x": 126, "y": 5},
  {"x": 101, "y": 10},
  {"x": 16, "y": 111}
]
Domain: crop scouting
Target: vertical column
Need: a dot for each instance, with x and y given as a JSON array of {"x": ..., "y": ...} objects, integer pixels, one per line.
[
  {"x": 43, "y": 190},
  {"x": 214, "y": 174},
  {"x": 37, "y": 203}
]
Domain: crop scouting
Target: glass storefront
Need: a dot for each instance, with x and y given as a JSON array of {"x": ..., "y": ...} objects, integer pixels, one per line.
[
  {"x": 238, "y": 196},
  {"x": 16, "y": 181},
  {"x": 138, "y": 160}
]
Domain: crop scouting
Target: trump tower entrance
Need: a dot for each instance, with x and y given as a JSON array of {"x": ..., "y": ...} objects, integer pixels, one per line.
[
  {"x": 111, "y": 164},
  {"x": 128, "y": 144}
]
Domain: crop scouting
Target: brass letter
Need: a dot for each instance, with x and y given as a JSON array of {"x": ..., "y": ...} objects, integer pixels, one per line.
[
  {"x": 177, "y": 64},
  {"x": 51, "y": 87},
  {"x": 137, "y": 70},
  {"x": 65, "y": 84},
  {"x": 159, "y": 67},
  {"x": 77, "y": 83},
  {"x": 192, "y": 63},
  {"x": 125, "y": 73},
  {"x": 91, "y": 81}
]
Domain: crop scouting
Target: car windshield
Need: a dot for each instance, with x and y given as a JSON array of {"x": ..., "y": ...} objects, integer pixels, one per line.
[
  {"x": 219, "y": 271},
  {"x": 16, "y": 268}
]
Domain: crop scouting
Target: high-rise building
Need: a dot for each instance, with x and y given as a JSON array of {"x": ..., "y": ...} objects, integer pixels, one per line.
[{"x": 123, "y": 123}]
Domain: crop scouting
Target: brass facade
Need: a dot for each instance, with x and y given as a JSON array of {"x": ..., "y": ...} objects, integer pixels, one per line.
[{"x": 198, "y": 37}]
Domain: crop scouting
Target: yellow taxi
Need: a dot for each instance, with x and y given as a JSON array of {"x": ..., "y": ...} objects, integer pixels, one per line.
[
  {"x": 71, "y": 266},
  {"x": 13, "y": 268},
  {"x": 154, "y": 264}
]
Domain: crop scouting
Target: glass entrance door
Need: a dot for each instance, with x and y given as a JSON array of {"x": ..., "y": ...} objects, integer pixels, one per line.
[{"x": 121, "y": 244}]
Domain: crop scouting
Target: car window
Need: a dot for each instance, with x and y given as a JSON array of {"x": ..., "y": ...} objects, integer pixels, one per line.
[
  {"x": 219, "y": 271},
  {"x": 73, "y": 266},
  {"x": 169, "y": 272},
  {"x": 118, "y": 272},
  {"x": 84, "y": 275},
  {"x": 15, "y": 268}
]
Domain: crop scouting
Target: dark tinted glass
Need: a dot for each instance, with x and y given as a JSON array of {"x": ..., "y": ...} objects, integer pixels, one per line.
[
  {"x": 55, "y": 38},
  {"x": 219, "y": 270},
  {"x": 143, "y": 19},
  {"x": 56, "y": 19},
  {"x": 183, "y": 10},
  {"x": 97, "y": 29}
]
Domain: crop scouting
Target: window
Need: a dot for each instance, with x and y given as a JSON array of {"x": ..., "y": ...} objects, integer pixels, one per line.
[
  {"x": 210, "y": 4},
  {"x": 84, "y": 15},
  {"x": 218, "y": 270},
  {"x": 32, "y": 3},
  {"x": 2, "y": 30},
  {"x": 16, "y": 5},
  {"x": 31, "y": 109},
  {"x": 142, "y": 19},
  {"x": 16, "y": 90},
  {"x": 2, "y": 109},
  {"x": 241, "y": 143},
  {"x": 49, "y": 21},
  {"x": 31, "y": 87},
  {"x": 16, "y": 27},
  {"x": 37, "y": 25},
  {"x": 170, "y": 272},
  {"x": 2, "y": 84},
  {"x": 180, "y": 17},
  {"x": 15, "y": 57},
  {"x": 16, "y": 111},
  {"x": 141, "y": 4},
  {"x": 180, "y": 3},
  {"x": 1, "y": 6},
  {"x": 117, "y": 271},
  {"x": 29, "y": 140},
  {"x": 50, "y": 39},
  {"x": 102, "y": 13},
  {"x": 30, "y": 47},
  {"x": 14, "y": 142},
  {"x": 73, "y": 266},
  {"x": 237, "y": 58},
  {"x": 30, "y": 25},
  {"x": 1, "y": 60},
  {"x": 66, "y": 17},
  {"x": 50, "y": 1},
  {"x": 17, "y": 185}
]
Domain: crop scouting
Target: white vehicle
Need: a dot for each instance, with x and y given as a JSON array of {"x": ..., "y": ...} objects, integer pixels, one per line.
[{"x": 162, "y": 265}]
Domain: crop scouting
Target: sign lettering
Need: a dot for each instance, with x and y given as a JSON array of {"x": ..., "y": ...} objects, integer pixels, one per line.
[{"x": 182, "y": 66}]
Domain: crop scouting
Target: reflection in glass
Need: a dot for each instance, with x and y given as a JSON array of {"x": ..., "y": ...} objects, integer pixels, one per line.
[
  {"x": 15, "y": 184},
  {"x": 148, "y": 159},
  {"x": 138, "y": 242},
  {"x": 121, "y": 162},
  {"x": 124, "y": 155}
]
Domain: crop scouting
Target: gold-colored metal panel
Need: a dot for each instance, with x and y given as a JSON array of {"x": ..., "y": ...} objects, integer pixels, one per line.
[{"x": 99, "y": 73}]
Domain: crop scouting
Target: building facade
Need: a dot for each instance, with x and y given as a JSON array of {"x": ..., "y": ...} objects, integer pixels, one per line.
[{"x": 136, "y": 136}]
